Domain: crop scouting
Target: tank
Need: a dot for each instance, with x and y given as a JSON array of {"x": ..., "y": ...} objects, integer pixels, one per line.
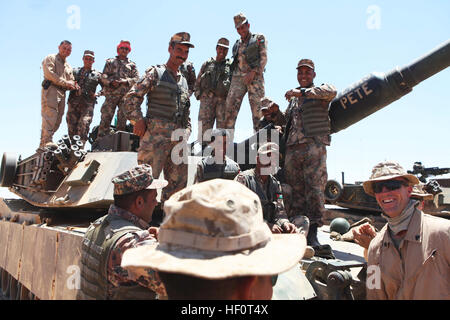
[{"x": 64, "y": 188}]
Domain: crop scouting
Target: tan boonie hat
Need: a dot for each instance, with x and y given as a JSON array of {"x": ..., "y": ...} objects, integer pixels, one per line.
[
  {"x": 386, "y": 171},
  {"x": 136, "y": 179},
  {"x": 269, "y": 147},
  {"x": 419, "y": 193},
  {"x": 182, "y": 38},
  {"x": 89, "y": 53},
  {"x": 239, "y": 20},
  {"x": 223, "y": 42},
  {"x": 215, "y": 230},
  {"x": 306, "y": 62},
  {"x": 266, "y": 103}
]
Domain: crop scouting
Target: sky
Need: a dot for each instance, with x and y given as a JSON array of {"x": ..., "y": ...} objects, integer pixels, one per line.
[{"x": 347, "y": 40}]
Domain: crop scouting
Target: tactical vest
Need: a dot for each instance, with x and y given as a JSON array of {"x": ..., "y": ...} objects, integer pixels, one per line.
[
  {"x": 251, "y": 52},
  {"x": 98, "y": 242},
  {"x": 169, "y": 100},
  {"x": 216, "y": 77},
  {"x": 227, "y": 170},
  {"x": 267, "y": 204},
  {"x": 88, "y": 84},
  {"x": 315, "y": 118}
]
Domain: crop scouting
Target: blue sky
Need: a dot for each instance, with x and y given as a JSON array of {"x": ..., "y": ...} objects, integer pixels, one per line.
[{"x": 346, "y": 39}]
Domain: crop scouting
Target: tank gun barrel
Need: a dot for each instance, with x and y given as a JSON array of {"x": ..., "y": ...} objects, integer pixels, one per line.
[{"x": 378, "y": 90}]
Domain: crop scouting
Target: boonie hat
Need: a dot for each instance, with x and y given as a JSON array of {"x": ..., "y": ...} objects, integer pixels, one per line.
[
  {"x": 136, "y": 179},
  {"x": 306, "y": 62},
  {"x": 386, "y": 171},
  {"x": 182, "y": 38},
  {"x": 239, "y": 20},
  {"x": 419, "y": 193},
  {"x": 215, "y": 230},
  {"x": 224, "y": 42}
]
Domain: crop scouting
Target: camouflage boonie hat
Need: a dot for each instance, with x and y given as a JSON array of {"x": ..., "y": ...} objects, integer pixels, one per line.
[
  {"x": 386, "y": 171},
  {"x": 215, "y": 230},
  {"x": 239, "y": 20},
  {"x": 224, "y": 42},
  {"x": 306, "y": 62},
  {"x": 182, "y": 38},
  {"x": 269, "y": 147},
  {"x": 419, "y": 193},
  {"x": 89, "y": 53},
  {"x": 136, "y": 179},
  {"x": 266, "y": 103}
]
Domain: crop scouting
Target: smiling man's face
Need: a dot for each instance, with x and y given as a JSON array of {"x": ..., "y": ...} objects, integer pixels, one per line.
[{"x": 393, "y": 202}]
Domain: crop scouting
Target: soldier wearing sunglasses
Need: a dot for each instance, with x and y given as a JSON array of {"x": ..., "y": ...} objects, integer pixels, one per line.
[{"x": 410, "y": 257}]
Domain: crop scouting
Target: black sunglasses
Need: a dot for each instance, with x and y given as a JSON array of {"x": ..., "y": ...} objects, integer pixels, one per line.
[{"x": 389, "y": 185}]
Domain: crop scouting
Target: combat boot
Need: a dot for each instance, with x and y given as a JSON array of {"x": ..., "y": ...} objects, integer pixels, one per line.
[{"x": 311, "y": 239}]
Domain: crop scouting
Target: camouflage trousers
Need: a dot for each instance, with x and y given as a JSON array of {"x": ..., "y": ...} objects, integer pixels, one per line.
[
  {"x": 211, "y": 108},
  {"x": 52, "y": 110},
  {"x": 79, "y": 116},
  {"x": 155, "y": 148},
  {"x": 306, "y": 174},
  {"x": 238, "y": 89},
  {"x": 108, "y": 109},
  {"x": 300, "y": 221}
]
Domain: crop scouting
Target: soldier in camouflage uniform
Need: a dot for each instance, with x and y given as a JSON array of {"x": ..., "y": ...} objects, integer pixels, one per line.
[
  {"x": 249, "y": 62},
  {"x": 215, "y": 245},
  {"x": 217, "y": 165},
  {"x": 81, "y": 102},
  {"x": 125, "y": 226},
  {"x": 168, "y": 109},
  {"x": 306, "y": 154},
  {"x": 58, "y": 77},
  {"x": 188, "y": 71},
  {"x": 268, "y": 189},
  {"x": 211, "y": 88},
  {"x": 119, "y": 75}
]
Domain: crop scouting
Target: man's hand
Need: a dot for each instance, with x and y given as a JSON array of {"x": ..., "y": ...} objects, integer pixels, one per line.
[
  {"x": 289, "y": 227},
  {"x": 364, "y": 234},
  {"x": 72, "y": 85},
  {"x": 292, "y": 93},
  {"x": 139, "y": 128},
  {"x": 249, "y": 77},
  {"x": 275, "y": 228}
]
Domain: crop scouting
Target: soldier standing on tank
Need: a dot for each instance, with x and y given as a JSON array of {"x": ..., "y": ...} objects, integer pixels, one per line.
[
  {"x": 188, "y": 71},
  {"x": 307, "y": 137},
  {"x": 125, "y": 226},
  {"x": 249, "y": 61},
  {"x": 119, "y": 75},
  {"x": 58, "y": 77},
  {"x": 217, "y": 165},
  {"x": 81, "y": 102},
  {"x": 168, "y": 109},
  {"x": 211, "y": 88}
]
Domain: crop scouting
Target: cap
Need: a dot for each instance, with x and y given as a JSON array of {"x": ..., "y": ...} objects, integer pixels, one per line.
[
  {"x": 215, "y": 230},
  {"x": 136, "y": 179},
  {"x": 124, "y": 44},
  {"x": 239, "y": 20},
  {"x": 306, "y": 62},
  {"x": 266, "y": 103},
  {"x": 182, "y": 38},
  {"x": 223, "y": 42},
  {"x": 89, "y": 53},
  {"x": 418, "y": 192},
  {"x": 268, "y": 147},
  {"x": 386, "y": 171}
]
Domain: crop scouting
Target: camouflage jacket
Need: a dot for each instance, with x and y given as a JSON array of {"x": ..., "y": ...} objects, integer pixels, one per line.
[
  {"x": 88, "y": 80},
  {"x": 134, "y": 98},
  {"x": 325, "y": 93},
  {"x": 116, "y": 69},
  {"x": 269, "y": 193},
  {"x": 188, "y": 71},
  {"x": 119, "y": 276},
  {"x": 242, "y": 67}
]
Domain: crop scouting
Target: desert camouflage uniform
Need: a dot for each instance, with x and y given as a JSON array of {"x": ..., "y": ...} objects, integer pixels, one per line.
[
  {"x": 212, "y": 104},
  {"x": 305, "y": 162},
  {"x": 116, "y": 69},
  {"x": 270, "y": 194},
  {"x": 59, "y": 72},
  {"x": 188, "y": 71},
  {"x": 81, "y": 107},
  {"x": 238, "y": 88},
  {"x": 156, "y": 145},
  {"x": 117, "y": 276}
]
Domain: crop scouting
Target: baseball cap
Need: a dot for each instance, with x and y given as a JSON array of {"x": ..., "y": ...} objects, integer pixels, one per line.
[
  {"x": 239, "y": 20},
  {"x": 306, "y": 62},
  {"x": 182, "y": 38}
]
